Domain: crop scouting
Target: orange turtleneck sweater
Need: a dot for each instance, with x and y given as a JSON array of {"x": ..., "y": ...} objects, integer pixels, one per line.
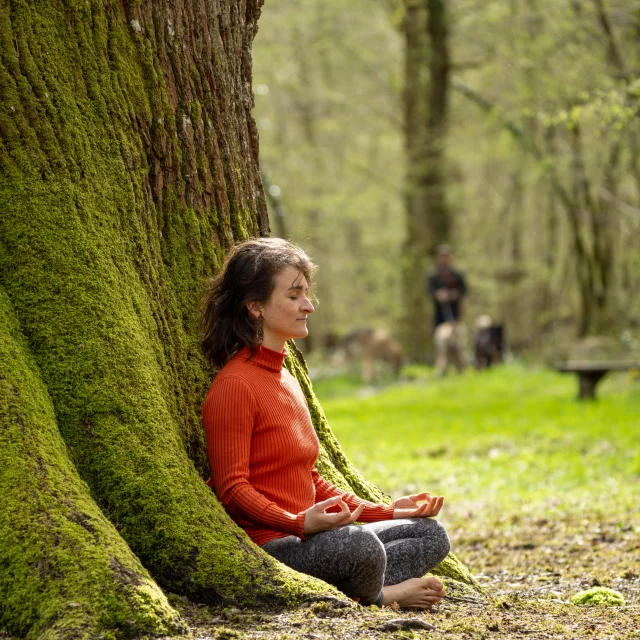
[{"x": 262, "y": 449}]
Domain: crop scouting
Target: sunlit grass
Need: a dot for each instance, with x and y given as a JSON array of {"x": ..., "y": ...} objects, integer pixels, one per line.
[{"x": 506, "y": 439}]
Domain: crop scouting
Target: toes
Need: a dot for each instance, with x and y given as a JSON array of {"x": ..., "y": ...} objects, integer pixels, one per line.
[{"x": 434, "y": 584}]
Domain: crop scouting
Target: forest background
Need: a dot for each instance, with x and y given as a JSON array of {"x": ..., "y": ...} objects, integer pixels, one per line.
[{"x": 537, "y": 177}]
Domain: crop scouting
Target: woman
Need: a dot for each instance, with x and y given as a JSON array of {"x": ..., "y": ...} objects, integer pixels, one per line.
[{"x": 262, "y": 446}]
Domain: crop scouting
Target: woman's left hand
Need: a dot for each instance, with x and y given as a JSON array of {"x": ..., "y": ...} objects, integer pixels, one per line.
[{"x": 408, "y": 507}]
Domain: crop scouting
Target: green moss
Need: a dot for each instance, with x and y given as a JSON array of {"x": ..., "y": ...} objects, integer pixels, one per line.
[
  {"x": 598, "y": 597},
  {"x": 196, "y": 112},
  {"x": 459, "y": 578},
  {"x": 71, "y": 574}
]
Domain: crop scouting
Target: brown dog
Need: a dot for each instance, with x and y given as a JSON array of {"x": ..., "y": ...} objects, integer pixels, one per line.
[
  {"x": 449, "y": 339},
  {"x": 370, "y": 346}
]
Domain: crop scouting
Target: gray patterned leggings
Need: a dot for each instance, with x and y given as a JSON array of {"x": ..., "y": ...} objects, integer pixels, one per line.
[{"x": 360, "y": 560}]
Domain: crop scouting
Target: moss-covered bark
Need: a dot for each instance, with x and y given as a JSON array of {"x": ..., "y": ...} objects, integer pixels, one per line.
[
  {"x": 65, "y": 572},
  {"x": 128, "y": 166}
]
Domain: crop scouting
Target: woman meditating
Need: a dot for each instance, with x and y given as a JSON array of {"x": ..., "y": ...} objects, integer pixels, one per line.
[{"x": 262, "y": 446}]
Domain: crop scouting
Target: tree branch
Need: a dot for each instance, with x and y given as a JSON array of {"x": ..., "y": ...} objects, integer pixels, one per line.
[{"x": 615, "y": 58}]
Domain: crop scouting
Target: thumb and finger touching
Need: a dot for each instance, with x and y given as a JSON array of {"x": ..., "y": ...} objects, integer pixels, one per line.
[
  {"x": 329, "y": 502},
  {"x": 317, "y": 519}
]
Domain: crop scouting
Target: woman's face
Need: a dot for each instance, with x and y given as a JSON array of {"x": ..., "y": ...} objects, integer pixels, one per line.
[{"x": 285, "y": 314}]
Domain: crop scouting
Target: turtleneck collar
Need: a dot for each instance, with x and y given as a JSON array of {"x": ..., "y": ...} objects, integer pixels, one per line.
[{"x": 264, "y": 357}]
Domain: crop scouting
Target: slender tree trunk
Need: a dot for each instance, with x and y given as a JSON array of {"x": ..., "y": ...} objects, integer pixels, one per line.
[
  {"x": 277, "y": 208},
  {"x": 594, "y": 237},
  {"x": 415, "y": 330},
  {"x": 435, "y": 171},
  {"x": 426, "y": 116}
]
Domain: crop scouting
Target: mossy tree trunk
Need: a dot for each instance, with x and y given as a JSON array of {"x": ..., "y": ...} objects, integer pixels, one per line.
[{"x": 128, "y": 166}]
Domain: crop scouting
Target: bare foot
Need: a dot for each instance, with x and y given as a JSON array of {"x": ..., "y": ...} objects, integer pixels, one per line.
[{"x": 418, "y": 593}]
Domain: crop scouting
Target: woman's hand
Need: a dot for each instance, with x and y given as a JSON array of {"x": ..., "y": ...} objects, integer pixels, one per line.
[
  {"x": 316, "y": 520},
  {"x": 409, "y": 507}
]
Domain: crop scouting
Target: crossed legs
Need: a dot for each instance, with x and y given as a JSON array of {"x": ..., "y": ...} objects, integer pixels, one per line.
[{"x": 377, "y": 563}]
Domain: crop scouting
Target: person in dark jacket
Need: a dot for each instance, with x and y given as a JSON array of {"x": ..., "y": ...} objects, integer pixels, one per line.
[{"x": 446, "y": 286}]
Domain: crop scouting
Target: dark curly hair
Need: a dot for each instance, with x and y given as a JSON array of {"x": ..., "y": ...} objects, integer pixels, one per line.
[{"x": 248, "y": 275}]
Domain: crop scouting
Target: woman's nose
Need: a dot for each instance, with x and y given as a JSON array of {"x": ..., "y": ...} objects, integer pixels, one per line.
[{"x": 307, "y": 306}]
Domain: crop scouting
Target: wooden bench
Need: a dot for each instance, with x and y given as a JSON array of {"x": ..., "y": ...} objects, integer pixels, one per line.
[{"x": 590, "y": 373}]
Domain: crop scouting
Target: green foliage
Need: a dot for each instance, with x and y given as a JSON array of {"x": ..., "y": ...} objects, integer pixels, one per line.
[
  {"x": 598, "y": 597},
  {"x": 328, "y": 88}
]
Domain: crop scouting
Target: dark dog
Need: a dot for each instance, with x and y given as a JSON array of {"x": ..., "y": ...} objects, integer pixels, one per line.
[{"x": 488, "y": 343}]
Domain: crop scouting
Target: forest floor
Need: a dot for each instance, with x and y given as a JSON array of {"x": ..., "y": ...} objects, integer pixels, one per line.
[
  {"x": 541, "y": 494},
  {"x": 542, "y": 502},
  {"x": 528, "y": 576}
]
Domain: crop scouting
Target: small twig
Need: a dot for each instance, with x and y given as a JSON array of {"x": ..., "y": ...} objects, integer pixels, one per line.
[
  {"x": 469, "y": 600},
  {"x": 404, "y": 624}
]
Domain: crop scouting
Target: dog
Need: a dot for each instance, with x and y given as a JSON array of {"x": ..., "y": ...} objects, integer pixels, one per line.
[
  {"x": 371, "y": 346},
  {"x": 449, "y": 339},
  {"x": 488, "y": 342}
]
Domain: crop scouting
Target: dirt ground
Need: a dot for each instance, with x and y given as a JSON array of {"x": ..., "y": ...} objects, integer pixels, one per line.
[{"x": 529, "y": 568}]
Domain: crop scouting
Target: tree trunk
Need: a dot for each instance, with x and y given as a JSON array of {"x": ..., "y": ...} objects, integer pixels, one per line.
[
  {"x": 595, "y": 248},
  {"x": 128, "y": 166},
  {"x": 435, "y": 177},
  {"x": 426, "y": 96}
]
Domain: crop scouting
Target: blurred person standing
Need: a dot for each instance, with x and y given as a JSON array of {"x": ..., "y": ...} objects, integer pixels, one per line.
[{"x": 446, "y": 287}]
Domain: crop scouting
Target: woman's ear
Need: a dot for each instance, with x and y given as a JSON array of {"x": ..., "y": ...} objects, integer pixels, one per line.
[{"x": 254, "y": 309}]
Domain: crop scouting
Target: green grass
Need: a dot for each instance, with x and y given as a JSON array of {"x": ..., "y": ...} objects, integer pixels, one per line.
[{"x": 510, "y": 439}]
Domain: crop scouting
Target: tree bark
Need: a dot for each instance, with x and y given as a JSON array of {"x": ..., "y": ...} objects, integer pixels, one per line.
[
  {"x": 435, "y": 175},
  {"x": 128, "y": 167}
]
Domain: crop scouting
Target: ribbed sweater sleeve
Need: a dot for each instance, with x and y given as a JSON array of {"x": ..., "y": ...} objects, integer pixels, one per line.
[
  {"x": 372, "y": 512},
  {"x": 228, "y": 416}
]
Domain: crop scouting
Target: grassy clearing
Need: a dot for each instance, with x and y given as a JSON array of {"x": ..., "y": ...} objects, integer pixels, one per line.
[
  {"x": 509, "y": 440},
  {"x": 542, "y": 494}
]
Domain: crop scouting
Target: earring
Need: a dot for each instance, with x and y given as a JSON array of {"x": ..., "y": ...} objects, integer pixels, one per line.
[{"x": 260, "y": 329}]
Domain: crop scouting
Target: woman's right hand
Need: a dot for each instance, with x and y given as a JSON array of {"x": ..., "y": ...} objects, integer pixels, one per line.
[{"x": 316, "y": 520}]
